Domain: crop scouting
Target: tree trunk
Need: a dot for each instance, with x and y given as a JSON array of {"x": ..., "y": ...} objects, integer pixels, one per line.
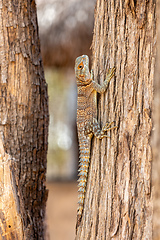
[
  {"x": 156, "y": 136},
  {"x": 118, "y": 202},
  {"x": 23, "y": 123}
]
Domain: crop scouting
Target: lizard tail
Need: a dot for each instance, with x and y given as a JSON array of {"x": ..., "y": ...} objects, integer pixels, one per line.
[{"x": 83, "y": 174}]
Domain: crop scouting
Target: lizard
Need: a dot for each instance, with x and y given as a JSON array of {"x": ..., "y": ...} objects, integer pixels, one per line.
[{"x": 87, "y": 124}]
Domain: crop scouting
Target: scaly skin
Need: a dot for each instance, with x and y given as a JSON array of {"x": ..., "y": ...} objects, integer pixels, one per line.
[{"x": 87, "y": 124}]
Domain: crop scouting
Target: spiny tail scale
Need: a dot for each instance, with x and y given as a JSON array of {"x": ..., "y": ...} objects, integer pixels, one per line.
[{"x": 84, "y": 160}]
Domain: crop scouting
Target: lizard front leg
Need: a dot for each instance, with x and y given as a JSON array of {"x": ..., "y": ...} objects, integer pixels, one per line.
[
  {"x": 93, "y": 128},
  {"x": 102, "y": 88}
]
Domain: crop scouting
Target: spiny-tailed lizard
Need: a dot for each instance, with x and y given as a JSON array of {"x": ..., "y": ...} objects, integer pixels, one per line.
[{"x": 87, "y": 124}]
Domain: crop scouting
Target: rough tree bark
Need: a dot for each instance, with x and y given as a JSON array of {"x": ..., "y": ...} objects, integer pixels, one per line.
[
  {"x": 118, "y": 199},
  {"x": 23, "y": 123},
  {"x": 156, "y": 136}
]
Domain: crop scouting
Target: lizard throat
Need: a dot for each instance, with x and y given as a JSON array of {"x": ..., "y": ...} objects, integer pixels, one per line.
[{"x": 82, "y": 82}]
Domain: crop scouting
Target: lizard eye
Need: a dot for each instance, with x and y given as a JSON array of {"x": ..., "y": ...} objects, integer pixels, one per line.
[{"x": 80, "y": 66}]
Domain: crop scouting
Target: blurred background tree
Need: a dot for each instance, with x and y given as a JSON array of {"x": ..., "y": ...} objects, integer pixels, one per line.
[
  {"x": 66, "y": 32},
  {"x": 65, "y": 28}
]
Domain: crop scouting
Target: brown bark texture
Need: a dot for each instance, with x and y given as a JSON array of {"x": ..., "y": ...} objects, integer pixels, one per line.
[
  {"x": 118, "y": 202},
  {"x": 156, "y": 136},
  {"x": 23, "y": 124}
]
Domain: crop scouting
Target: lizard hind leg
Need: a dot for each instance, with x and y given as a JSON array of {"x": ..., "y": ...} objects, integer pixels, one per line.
[{"x": 94, "y": 128}]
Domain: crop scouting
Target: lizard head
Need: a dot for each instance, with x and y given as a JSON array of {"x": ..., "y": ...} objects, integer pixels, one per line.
[{"x": 82, "y": 68}]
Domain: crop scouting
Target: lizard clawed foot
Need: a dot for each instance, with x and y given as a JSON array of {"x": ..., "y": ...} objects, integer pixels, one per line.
[
  {"x": 108, "y": 127},
  {"x": 111, "y": 70},
  {"x": 110, "y": 74}
]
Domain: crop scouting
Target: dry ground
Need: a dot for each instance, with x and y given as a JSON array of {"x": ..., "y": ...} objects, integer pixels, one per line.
[{"x": 61, "y": 210}]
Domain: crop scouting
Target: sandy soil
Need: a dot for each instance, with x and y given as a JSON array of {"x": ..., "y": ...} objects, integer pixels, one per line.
[{"x": 61, "y": 210}]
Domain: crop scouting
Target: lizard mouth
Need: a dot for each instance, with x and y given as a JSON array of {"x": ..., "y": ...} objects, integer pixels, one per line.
[{"x": 81, "y": 75}]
